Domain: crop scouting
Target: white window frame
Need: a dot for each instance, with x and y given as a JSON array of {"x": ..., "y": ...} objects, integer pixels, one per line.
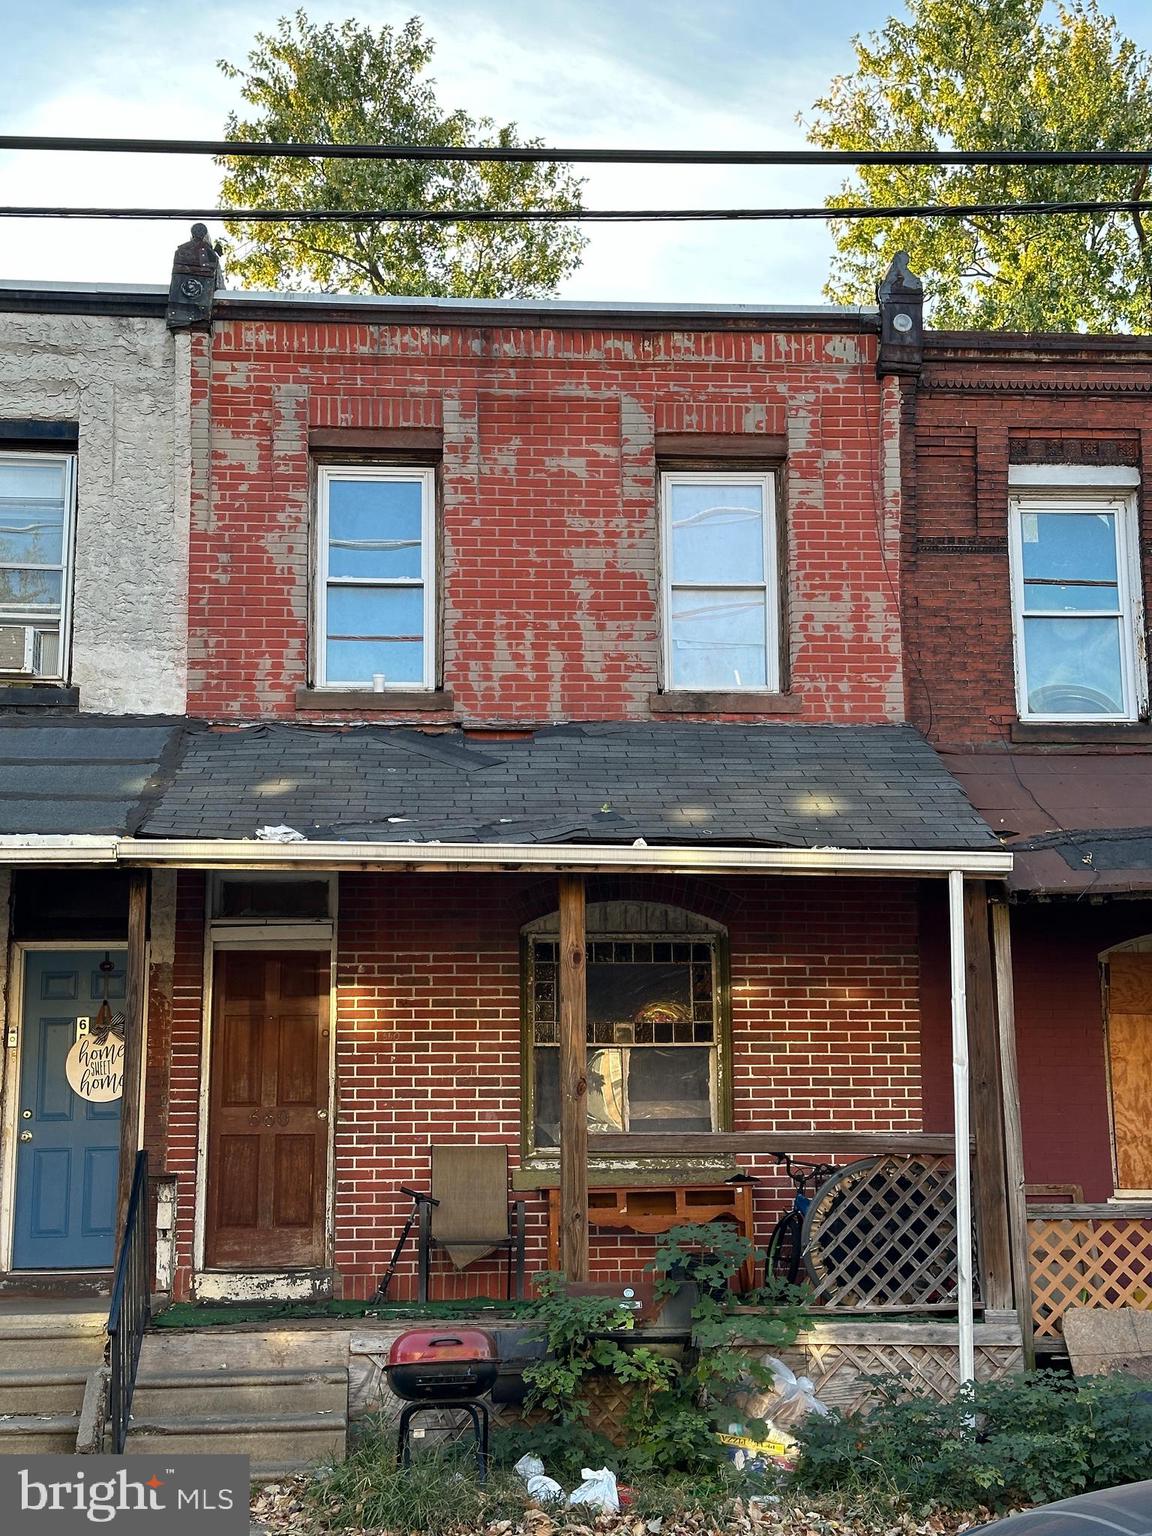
[
  {"x": 770, "y": 584},
  {"x": 326, "y": 473},
  {"x": 1089, "y": 497},
  {"x": 64, "y": 649}
]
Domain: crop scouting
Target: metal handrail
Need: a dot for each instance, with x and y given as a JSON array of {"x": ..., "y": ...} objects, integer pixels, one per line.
[{"x": 131, "y": 1306}]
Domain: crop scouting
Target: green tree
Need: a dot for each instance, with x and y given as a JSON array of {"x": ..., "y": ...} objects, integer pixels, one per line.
[
  {"x": 984, "y": 75},
  {"x": 347, "y": 84}
]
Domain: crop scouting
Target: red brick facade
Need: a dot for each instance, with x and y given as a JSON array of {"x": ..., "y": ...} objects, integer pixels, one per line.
[
  {"x": 983, "y": 404},
  {"x": 551, "y": 443}
]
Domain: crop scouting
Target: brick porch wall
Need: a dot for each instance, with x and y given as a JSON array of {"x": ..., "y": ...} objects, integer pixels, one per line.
[{"x": 825, "y": 998}]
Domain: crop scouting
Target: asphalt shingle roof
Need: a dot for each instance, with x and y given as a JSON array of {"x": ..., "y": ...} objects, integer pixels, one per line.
[
  {"x": 776, "y": 785},
  {"x": 80, "y": 774}
]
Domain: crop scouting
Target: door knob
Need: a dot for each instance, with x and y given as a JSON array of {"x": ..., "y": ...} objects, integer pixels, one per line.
[
  {"x": 25, "y": 1135},
  {"x": 321, "y": 1114}
]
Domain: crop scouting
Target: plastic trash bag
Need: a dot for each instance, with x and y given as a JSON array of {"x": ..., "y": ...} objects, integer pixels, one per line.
[
  {"x": 546, "y": 1490},
  {"x": 795, "y": 1395},
  {"x": 597, "y": 1489}
]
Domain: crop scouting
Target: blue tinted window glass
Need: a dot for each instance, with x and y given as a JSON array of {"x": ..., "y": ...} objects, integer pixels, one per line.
[
  {"x": 358, "y": 661},
  {"x": 376, "y": 613},
  {"x": 1073, "y": 666},
  {"x": 717, "y": 532},
  {"x": 718, "y": 639},
  {"x": 374, "y": 528},
  {"x": 1068, "y": 546}
]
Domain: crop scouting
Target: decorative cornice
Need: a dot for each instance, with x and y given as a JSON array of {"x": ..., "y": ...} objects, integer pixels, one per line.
[{"x": 1034, "y": 387}]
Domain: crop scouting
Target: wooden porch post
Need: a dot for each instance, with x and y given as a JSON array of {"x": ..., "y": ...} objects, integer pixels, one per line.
[
  {"x": 1013, "y": 1129},
  {"x": 987, "y": 1103},
  {"x": 135, "y": 992},
  {"x": 573, "y": 1081}
]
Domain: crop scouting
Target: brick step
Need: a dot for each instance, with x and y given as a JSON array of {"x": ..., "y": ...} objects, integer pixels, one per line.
[{"x": 41, "y": 1390}]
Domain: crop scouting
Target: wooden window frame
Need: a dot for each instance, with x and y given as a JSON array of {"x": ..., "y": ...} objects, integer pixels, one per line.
[
  {"x": 770, "y": 585},
  {"x": 544, "y": 1157},
  {"x": 380, "y": 473}
]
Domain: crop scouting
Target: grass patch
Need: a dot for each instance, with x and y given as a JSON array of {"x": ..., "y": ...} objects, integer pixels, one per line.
[{"x": 438, "y": 1494}]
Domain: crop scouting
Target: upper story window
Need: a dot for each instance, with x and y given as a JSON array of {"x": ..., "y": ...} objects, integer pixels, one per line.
[
  {"x": 37, "y": 513},
  {"x": 721, "y": 604},
  {"x": 376, "y": 578},
  {"x": 1076, "y": 603}
]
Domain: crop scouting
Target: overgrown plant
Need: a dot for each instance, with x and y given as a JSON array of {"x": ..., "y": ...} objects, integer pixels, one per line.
[
  {"x": 1038, "y": 1437},
  {"x": 579, "y": 1334},
  {"x": 677, "y": 1427},
  {"x": 677, "y": 1404}
]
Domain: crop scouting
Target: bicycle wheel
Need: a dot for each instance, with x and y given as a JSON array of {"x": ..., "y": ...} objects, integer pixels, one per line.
[{"x": 783, "y": 1254}]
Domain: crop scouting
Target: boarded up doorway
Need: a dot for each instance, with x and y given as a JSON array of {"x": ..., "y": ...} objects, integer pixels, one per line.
[{"x": 1130, "y": 1066}]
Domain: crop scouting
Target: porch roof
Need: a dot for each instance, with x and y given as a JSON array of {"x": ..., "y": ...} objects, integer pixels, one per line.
[
  {"x": 1077, "y": 822},
  {"x": 727, "y": 792},
  {"x": 781, "y": 786}
]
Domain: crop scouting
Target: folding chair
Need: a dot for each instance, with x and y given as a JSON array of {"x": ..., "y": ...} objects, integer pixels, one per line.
[{"x": 474, "y": 1216}]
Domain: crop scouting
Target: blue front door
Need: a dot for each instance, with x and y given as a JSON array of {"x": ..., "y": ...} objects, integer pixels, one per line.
[{"x": 68, "y": 1148}]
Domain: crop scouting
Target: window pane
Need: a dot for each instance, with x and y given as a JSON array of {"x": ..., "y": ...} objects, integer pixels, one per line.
[
  {"x": 718, "y": 639},
  {"x": 546, "y": 1130},
  {"x": 1073, "y": 666},
  {"x": 31, "y": 514},
  {"x": 1058, "y": 597},
  {"x": 30, "y": 589},
  {"x": 374, "y": 528},
  {"x": 717, "y": 532},
  {"x": 606, "y": 1091},
  {"x": 376, "y": 613},
  {"x": 358, "y": 661},
  {"x": 1068, "y": 546},
  {"x": 669, "y": 1090},
  {"x": 625, "y": 992}
]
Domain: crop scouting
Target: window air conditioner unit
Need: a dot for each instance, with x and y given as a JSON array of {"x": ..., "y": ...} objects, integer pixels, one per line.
[{"x": 19, "y": 649}]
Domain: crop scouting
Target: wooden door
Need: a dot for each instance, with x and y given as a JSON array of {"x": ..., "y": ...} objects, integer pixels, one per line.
[
  {"x": 268, "y": 1115},
  {"x": 1130, "y": 1060}
]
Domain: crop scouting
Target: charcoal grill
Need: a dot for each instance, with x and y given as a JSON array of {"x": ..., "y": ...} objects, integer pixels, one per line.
[{"x": 443, "y": 1368}]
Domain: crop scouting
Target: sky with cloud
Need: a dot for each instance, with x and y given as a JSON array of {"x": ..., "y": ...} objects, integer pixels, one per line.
[{"x": 662, "y": 73}]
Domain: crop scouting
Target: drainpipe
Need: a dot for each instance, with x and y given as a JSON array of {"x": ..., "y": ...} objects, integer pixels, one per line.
[{"x": 960, "y": 1107}]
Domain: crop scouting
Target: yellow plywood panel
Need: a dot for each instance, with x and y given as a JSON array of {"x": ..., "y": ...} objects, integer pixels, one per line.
[{"x": 1130, "y": 983}]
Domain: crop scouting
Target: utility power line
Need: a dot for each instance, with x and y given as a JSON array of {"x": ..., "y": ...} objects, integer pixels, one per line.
[
  {"x": 581, "y": 215},
  {"x": 479, "y": 153}
]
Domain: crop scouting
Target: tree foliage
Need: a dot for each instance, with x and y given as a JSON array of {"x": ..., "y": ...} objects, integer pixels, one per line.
[
  {"x": 997, "y": 74},
  {"x": 347, "y": 84}
]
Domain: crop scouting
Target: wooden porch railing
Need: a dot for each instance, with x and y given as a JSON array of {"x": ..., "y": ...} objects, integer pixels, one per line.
[{"x": 1087, "y": 1256}]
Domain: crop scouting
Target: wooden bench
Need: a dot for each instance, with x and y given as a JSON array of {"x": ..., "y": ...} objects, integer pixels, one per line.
[{"x": 658, "y": 1208}]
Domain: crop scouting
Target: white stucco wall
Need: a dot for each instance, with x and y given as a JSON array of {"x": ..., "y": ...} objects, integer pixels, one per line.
[{"x": 126, "y": 381}]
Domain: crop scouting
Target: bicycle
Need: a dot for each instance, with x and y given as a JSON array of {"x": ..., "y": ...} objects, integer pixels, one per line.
[{"x": 784, "y": 1254}]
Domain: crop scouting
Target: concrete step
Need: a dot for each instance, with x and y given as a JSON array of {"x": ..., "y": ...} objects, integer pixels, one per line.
[
  {"x": 257, "y": 1349},
  {"x": 39, "y": 1434},
  {"x": 41, "y": 1390},
  {"x": 43, "y": 1343},
  {"x": 253, "y": 1392},
  {"x": 284, "y": 1440}
]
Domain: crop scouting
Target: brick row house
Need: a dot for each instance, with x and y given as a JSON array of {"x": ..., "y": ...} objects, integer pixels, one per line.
[
  {"x": 380, "y": 675},
  {"x": 1027, "y": 553}
]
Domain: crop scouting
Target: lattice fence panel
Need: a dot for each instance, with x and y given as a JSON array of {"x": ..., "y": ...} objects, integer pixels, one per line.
[
  {"x": 884, "y": 1235},
  {"x": 1103, "y": 1262},
  {"x": 840, "y": 1371}
]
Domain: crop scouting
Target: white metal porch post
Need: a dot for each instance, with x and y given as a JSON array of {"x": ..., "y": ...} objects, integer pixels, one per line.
[{"x": 960, "y": 1106}]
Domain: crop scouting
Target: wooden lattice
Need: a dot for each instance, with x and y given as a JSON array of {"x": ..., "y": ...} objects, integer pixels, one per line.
[
  {"x": 841, "y": 1371},
  {"x": 1103, "y": 1262},
  {"x": 882, "y": 1236}
]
